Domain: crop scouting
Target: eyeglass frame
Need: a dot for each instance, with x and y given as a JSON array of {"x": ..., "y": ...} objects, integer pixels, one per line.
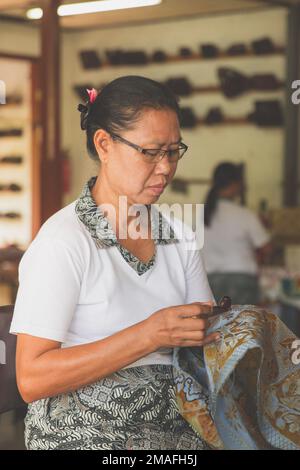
[{"x": 144, "y": 150}]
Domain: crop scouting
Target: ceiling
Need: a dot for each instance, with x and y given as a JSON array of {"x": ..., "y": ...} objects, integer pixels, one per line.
[{"x": 168, "y": 9}]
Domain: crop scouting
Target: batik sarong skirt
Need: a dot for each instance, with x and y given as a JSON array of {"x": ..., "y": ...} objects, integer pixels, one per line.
[{"x": 133, "y": 408}]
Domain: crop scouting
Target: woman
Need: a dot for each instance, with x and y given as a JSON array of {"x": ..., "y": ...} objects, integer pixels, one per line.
[
  {"x": 234, "y": 239},
  {"x": 98, "y": 311}
]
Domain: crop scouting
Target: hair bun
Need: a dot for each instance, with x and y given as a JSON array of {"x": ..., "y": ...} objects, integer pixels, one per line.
[{"x": 84, "y": 112}]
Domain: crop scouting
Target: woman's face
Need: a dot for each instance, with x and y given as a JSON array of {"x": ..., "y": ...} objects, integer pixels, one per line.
[{"x": 127, "y": 172}]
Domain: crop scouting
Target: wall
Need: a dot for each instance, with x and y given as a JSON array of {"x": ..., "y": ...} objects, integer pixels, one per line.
[
  {"x": 19, "y": 39},
  {"x": 260, "y": 149}
]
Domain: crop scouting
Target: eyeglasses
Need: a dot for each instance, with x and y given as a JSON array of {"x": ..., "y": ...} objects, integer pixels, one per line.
[{"x": 155, "y": 155}]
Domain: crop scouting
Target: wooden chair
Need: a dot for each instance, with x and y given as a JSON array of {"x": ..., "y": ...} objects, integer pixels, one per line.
[{"x": 10, "y": 398}]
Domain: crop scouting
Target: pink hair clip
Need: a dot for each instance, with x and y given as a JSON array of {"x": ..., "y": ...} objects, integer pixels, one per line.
[{"x": 92, "y": 95}]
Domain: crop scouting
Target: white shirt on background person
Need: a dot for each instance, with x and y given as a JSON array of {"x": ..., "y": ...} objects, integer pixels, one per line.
[{"x": 231, "y": 239}]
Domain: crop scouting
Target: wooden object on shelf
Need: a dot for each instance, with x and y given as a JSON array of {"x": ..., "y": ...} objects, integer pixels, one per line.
[
  {"x": 278, "y": 50},
  {"x": 228, "y": 121},
  {"x": 263, "y": 46},
  {"x": 10, "y": 215},
  {"x": 195, "y": 90},
  {"x": 90, "y": 59},
  {"x": 158, "y": 57},
  {"x": 12, "y": 100},
  {"x": 209, "y": 51},
  {"x": 217, "y": 89},
  {"x": 235, "y": 83},
  {"x": 13, "y": 132},
  {"x": 237, "y": 49},
  {"x": 267, "y": 113},
  {"x": 10, "y": 187},
  {"x": 214, "y": 116},
  {"x": 11, "y": 160},
  {"x": 185, "y": 51}
]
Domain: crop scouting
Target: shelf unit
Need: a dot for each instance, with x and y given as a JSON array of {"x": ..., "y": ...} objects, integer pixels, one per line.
[
  {"x": 18, "y": 112},
  {"x": 217, "y": 89},
  {"x": 233, "y": 121},
  {"x": 278, "y": 50}
]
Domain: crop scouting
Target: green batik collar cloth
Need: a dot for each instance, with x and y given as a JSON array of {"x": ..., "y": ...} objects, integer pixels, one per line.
[{"x": 104, "y": 236}]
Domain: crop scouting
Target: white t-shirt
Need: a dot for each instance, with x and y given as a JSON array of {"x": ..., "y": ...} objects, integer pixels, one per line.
[
  {"x": 74, "y": 292},
  {"x": 231, "y": 239}
]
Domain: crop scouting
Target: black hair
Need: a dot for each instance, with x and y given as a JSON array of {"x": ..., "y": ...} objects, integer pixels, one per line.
[
  {"x": 119, "y": 104},
  {"x": 224, "y": 174}
]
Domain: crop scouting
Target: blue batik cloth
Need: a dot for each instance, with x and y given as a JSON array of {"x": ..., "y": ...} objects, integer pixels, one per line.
[{"x": 242, "y": 392}]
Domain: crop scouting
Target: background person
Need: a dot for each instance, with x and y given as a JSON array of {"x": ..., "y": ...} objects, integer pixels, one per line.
[{"x": 234, "y": 239}]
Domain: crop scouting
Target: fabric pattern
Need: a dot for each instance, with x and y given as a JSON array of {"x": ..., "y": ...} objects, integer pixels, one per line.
[
  {"x": 133, "y": 408},
  {"x": 104, "y": 236},
  {"x": 242, "y": 392}
]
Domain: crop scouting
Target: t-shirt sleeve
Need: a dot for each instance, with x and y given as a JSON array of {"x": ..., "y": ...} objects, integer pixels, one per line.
[
  {"x": 256, "y": 231},
  {"x": 49, "y": 286},
  {"x": 197, "y": 286}
]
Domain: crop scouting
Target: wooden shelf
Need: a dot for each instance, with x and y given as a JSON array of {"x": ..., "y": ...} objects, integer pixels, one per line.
[
  {"x": 228, "y": 121},
  {"x": 14, "y": 104},
  {"x": 231, "y": 121},
  {"x": 223, "y": 55},
  {"x": 279, "y": 50},
  {"x": 217, "y": 89}
]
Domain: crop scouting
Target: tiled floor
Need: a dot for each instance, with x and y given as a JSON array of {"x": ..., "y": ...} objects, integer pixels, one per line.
[{"x": 12, "y": 431}]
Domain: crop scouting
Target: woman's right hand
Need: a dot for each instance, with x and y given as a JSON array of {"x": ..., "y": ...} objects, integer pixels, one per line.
[{"x": 180, "y": 325}]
